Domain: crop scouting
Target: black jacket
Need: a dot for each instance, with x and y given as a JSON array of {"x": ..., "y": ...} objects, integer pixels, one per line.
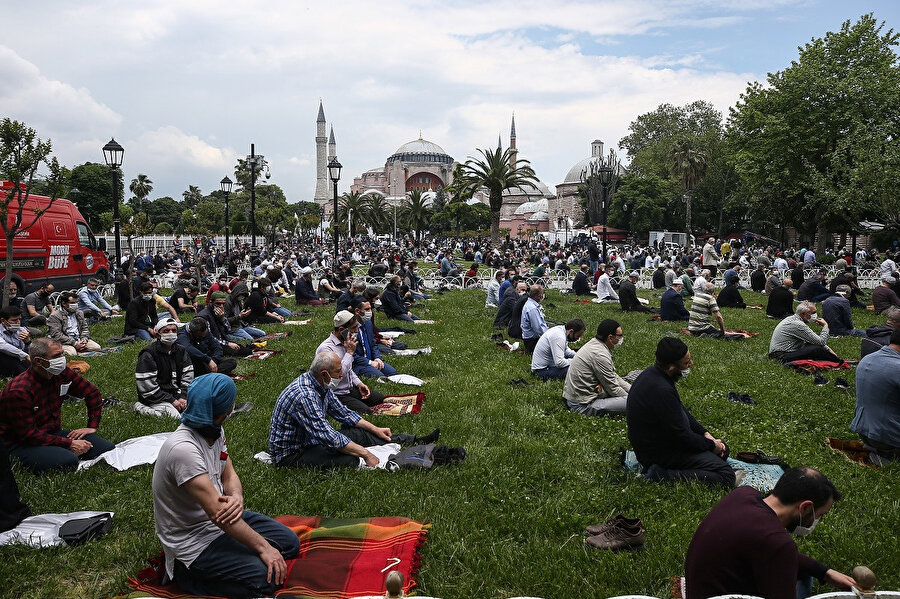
[
  {"x": 391, "y": 302},
  {"x": 781, "y": 302},
  {"x": 515, "y": 320},
  {"x": 140, "y": 315},
  {"x": 580, "y": 285}
]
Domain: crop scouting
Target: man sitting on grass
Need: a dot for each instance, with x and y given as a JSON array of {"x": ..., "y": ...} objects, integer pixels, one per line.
[
  {"x": 348, "y": 388},
  {"x": 877, "y": 418},
  {"x": 533, "y": 323},
  {"x": 671, "y": 304},
  {"x": 163, "y": 373},
  {"x": 669, "y": 443},
  {"x": 552, "y": 355},
  {"x": 30, "y": 405},
  {"x": 793, "y": 340},
  {"x": 781, "y": 301},
  {"x": 213, "y": 546},
  {"x": 69, "y": 326},
  {"x": 703, "y": 308},
  {"x": 592, "y": 386},
  {"x": 879, "y": 335},
  {"x": 204, "y": 350},
  {"x": 836, "y": 312},
  {"x": 300, "y": 434},
  {"x": 628, "y": 297},
  {"x": 744, "y": 544},
  {"x": 367, "y": 360}
]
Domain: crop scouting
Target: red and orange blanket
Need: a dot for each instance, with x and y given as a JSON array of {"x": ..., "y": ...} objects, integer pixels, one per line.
[{"x": 338, "y": 559}]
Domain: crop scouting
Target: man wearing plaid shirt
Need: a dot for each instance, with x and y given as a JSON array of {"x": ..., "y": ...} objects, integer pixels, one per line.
[
  {"x": 30, "y": 424},
  {"x": 300, "y": 434}
]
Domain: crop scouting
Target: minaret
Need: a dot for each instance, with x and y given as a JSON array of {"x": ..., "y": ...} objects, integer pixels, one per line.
[
  {"x": 513, "y": 152},
  {"x": 321, "y": 196},
  {"x": 332, "y": 151}
]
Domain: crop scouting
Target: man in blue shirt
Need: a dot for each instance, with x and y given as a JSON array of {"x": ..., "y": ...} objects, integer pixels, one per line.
[
  {"x": 367, "y": 357},
  {"x": 533, "y": 323},
  {"x": 92, "y": 304},
  {"x": 301, "y": 435},
  {"x": 877, "y": 418},
  {"x": 671, "y": 304}
]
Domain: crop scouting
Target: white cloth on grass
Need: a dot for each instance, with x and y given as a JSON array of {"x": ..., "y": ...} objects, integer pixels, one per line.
[
  {"x": 382, "y": 452},
  {"x": 42, "y": 530},
  {"x": 403, "y": 379},
  {"x": 412, "y": 352},
  {"x": 391, "y": 334},
  {"x": 130, "y": 452}
]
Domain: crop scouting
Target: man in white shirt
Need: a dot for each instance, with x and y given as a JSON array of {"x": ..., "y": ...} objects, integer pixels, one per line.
[
  {"x": 552, "y": 355},
  {"x": 605, "y": 292}
]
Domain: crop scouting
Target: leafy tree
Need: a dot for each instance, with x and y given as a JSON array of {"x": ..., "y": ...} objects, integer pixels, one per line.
[
  {"x": 689, "y": 164},
  {"x": 353, "y": 208},
  {"x": 416, "y": 214},
  {"x": 163, "y": 228},
  {"x": 380, "y": 215},
  {"x": 498, "y": 172},
  {"x": 242, "y": 174},
  {"x": 192, "y": 196},
  {"x": 141, "y": 186},
  {"x": 644, "y": 203},
  {"x": 22, "y": 153},
  {"x": 91, "y": 190},
  {"x": 188, "y": 221},
  {"x": 797, "y": 140},
  {"x": 210, "y": 217},
  {"x": 439, "y": 201},
  {"x": 165, "y": 210}
]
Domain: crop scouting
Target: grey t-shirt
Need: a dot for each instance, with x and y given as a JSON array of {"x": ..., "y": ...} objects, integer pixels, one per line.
[
  {"x": 181, "y": 524},
  {"x": 36, "y": 301}
]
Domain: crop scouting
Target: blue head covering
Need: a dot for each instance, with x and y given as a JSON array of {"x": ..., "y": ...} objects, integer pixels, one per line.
[{"x": 208, "y": 396}]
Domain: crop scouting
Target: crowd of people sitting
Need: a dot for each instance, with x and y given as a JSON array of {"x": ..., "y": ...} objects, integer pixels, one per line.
[{"x": 193, "y": 345}]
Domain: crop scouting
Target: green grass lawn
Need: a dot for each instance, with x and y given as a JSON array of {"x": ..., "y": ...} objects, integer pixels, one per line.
[{"x": 509, "y": 520}]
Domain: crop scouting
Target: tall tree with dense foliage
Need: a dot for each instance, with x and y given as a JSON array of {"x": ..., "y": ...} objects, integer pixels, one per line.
[
  {"x": 416, "y": 214},
  {"x": 688, "y": 163},
  {"x": 496, "y": 171},
  {"x": 22, "y": 154},
  {"x": 91, "y": 190},
  {"x": 798, "y": 140},
  {"x": 141, "y": 186},
  {"x": 353, "y": 209}
]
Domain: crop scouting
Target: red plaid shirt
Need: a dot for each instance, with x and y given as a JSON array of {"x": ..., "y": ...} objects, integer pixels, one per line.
[{"x": 30, "y": 406}]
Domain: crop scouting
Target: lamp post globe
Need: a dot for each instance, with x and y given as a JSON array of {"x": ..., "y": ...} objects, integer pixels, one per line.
[
  {"x": 334, "y": 172},
  {"x": 114, "y": 155},
  {"x": 225, "y": 185}
]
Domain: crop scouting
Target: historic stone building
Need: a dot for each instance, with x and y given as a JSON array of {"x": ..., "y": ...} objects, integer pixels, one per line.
[
  {"x": 418, "y": 165},
  {"x": 566, "y": 207}
]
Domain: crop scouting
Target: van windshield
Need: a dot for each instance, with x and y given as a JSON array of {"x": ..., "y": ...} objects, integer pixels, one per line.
[{"x": 85, "y": 237}]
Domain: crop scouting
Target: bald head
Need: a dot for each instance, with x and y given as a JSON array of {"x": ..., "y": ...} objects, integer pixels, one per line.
[{"x": 787, "y": 284}]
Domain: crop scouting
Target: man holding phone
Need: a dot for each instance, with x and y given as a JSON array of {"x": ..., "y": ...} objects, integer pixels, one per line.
[{"x": 349, "y": 389}]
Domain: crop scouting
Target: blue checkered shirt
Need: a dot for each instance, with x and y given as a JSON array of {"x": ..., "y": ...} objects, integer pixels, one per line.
[{"x": 300, "y": 418}]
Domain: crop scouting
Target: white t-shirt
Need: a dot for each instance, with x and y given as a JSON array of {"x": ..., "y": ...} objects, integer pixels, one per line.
[{"x": 181, "y": 524}]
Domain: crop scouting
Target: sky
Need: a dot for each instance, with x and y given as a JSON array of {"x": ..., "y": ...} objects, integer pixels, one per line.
[{"x": 186, "y": 87}]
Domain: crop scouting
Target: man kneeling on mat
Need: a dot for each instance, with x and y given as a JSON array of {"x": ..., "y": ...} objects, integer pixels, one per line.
[
  {"x": 213, "y": 545},
  {"x": 300, "y": 434}
]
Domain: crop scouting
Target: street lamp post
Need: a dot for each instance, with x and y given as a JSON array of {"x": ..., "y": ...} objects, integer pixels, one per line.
[
  {"x": 225, "y": 185},
  {"x": 256, "y": 163},
  {"x": 334, "y": 172},
  {"x": 322, "y": 223},
  {"x": 609, "y": 174},
  {"x": 114, "y": 154}
]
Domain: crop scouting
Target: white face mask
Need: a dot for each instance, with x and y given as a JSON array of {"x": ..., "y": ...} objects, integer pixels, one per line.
[
  {"x": 332, "y": 383},
  {"x": 71, "y": 309},
  {"x": 168, "y": 338},
  {"x": 147, "y": 296},
  {"x": 620, "y": 341},
  {"x": 685, "y": 372},
  {"x": 802, "y": 531},
  {"x": 367, "y": 315},
  {"x": 56, "y": 365},
  {"x": 13, "y": 327}
]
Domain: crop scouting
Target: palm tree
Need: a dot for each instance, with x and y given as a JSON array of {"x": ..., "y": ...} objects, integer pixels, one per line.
[
  {"x": 416, "y": 212},
  {"x": 354, "y": 206},
  {"x": 688, "y": 163},
  {"x": 380, "y": 215},
  {"x": 141, "y": 186},
  {"x": 498, "y": 172},
  {"x": 192, "y": 196}
]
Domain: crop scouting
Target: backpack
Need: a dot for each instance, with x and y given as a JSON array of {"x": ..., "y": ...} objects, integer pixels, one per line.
[
  {"x": 428, "y": 456},
  {"x": 81, "y": 530}
]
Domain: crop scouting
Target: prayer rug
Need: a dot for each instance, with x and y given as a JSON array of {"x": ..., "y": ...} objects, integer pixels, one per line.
[
  {"x": 400, "y": 405},
  {"x": 102, "y": 351},
  {"x": 412, "y": 352},
  {"x": 761, "y": 477},
  {"x": 262, "y": 354},
  {"x": 810, "y": 366},
  {"x": 578, "y": 301},
  {"x": 424, "y": 321},
  {"x": 338, "y": 559},
  {"x": 854, "y": 451},
  {"x": 298, "y": 323},
  {"x": 731, "y": 332},
  {"x": 273, "y": 336}
]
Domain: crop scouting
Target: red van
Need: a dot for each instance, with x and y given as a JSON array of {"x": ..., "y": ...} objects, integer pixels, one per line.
[{"x": 59, "y": 248}]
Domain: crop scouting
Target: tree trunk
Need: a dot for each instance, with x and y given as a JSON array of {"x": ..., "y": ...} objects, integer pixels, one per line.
[
  {"x": 495, "y": 227},
  {"x": 687, "y": 219},
  {"x": 9, "y": 268},
  {"x": 821, "y": 237}
]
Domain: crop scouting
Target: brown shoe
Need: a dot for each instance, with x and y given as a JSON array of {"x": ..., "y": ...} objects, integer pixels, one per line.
[
  {"x": 617, "y": 539},
  {"x": 618, "y": 521}
]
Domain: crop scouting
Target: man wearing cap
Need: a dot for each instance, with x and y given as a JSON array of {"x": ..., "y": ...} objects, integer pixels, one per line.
[
  {"x": 884, "y": 296},
  {"x": 163, "y": 373},
  {"x": 671, "y": 304},
  {"x": 205, "y": 351},
  {"x": 493, "y": 290},
  {"x": 711, "y": 256},
  {"x": 300, "y": 434},
  {"x": 628, "y": 298},
  {"x": 213, "y": 546},
  {"x": 303, "y": 290},
  {"x": 668, "y": 441},
  {"x": 342, "y": 342}
]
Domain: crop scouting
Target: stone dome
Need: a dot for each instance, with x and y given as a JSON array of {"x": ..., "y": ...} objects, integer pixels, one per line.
[
  {"x": 539, "y": 216},
  {"x": 421, "y": 150},
  {"x": 574, "y": 174},
  {"x": 533, "y": 207}
]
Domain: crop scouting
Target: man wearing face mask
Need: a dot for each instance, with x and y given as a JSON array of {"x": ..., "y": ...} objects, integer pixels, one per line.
[
  {"x": 342, "y": 342},
  {"x": 367, "y": 360},
  {"x": 300, "y": 434},
  {"x": 304, "y": 294},
  {"x": 163, "y": 373},
  {"x": 533, "y": 323},
  {"x": 213, "y": 546},
  {"x": 744, "y": 544},
  {"x": 30, "y": 423},
  {"x": 669, "y": 442},
  {"x": 393, "y": 304},
  {"x": 36, "y": 303},
  {"x": 141, "y": 316},
  {"x": 593, "y": 388},
  {"x": 204, "y": 349},
  {"x": 14, "y": 340},
  {"x": 552, "y": 355},
  {"x": 69, "y": 326}
]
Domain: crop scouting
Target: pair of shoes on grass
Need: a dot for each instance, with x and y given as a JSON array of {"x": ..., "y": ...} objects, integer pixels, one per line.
[
  {"x": 840, "y": 383},
  {"x": 743, "y": 398},
  {"x": 616, "y": 534}
]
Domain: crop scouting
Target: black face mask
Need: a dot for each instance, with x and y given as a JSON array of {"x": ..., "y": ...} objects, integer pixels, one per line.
[{"x": 212, "y": 431}]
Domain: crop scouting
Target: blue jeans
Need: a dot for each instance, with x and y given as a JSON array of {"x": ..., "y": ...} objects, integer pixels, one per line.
[
  {"x": 804, "y": 586},
  {"x": 551, "y": 372},
  {"x": 142, "y": 334},
  {"x": 43, "y": 458},
  {"x": 282, "y": 311},
  {"x": 371, "y": 371},
  {"x": 254, "y": 332},
  {"x": 228, "y": 568},
  {"x": 405, "y": 317}
]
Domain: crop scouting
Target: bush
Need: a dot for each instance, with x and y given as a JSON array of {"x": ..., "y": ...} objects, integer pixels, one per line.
[{"x": 163, "y": 228}]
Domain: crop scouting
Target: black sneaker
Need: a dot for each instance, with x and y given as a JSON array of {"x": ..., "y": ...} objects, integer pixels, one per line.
[
  {"x": 745, "y": 398},
  {"x": 841, "y": 383},
  {"x": 112, "y": 401},
  {"x": 497, "y": 337},
  {"x": 431, "y": 437},
  {"x": 820, "y": 380}
]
